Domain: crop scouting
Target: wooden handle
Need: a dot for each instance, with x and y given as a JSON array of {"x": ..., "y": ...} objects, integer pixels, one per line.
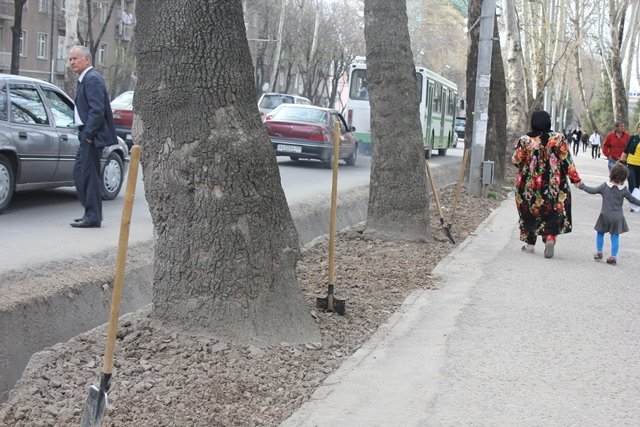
[
  {"x": 334, "y": 193},
  {"x": 433, "y": 189},
  {"x": 121, "y": 259}
]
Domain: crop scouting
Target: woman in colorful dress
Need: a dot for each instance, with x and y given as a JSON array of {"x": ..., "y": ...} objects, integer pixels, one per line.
[{"x": 543, "y": 195}]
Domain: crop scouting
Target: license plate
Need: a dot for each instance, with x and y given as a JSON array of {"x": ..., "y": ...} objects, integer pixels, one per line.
[
  {"x": 128, "y": 137},
  {"x": 289, "y": 148}
]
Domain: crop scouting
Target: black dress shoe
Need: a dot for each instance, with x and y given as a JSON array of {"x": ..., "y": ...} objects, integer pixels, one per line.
[
  {"x": 85, "y": 224},
  {"x": 78, "y": 219}
]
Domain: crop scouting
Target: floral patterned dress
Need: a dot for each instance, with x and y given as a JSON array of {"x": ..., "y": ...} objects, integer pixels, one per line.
[{"x": 543, "y": 195}]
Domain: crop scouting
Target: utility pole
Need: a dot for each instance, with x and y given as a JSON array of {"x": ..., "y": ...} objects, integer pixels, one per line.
[
  {"x": 481, "y": 105},
  {"x": 276, "y": 54}
]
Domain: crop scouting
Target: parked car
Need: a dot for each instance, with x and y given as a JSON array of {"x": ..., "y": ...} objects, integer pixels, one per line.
[
  {"x": 306, "y": 132},
  {"x": 122, "y": 107},
  {"x": 39, "y": 141},
  {"x": 460, "y": 125},
  {"x": 269, "y": 101}
]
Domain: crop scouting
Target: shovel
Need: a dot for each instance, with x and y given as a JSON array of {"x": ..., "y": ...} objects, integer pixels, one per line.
[
  {"x": 97, "y": 398},
  {"x": 446, "y": 229},
  {"x": 330, "y": 302},
  {"x": 456, "y": 195}
]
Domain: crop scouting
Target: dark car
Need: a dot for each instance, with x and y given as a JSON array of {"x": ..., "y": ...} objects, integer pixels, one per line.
[
  {"x": 122, "y": 107},
  {"x": 460, "y": 125},
  {"x": 39, "y": 141},
  {"x": 306, "y": 132}
]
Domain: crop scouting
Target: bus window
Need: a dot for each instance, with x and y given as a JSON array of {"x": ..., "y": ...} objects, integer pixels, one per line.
[
  {"x": 358, "y": 85},
  {"x": 437, "y": 99},
  {"x": 419, "y": 82}
]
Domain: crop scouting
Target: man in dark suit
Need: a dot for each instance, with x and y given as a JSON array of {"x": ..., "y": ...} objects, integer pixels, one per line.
[{"x": 94, "y": 119}]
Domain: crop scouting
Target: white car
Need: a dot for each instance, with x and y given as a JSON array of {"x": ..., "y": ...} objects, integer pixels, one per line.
[{"x": 269, "y": 101}]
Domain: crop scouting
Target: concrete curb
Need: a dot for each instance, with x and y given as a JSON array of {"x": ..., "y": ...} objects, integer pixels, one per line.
[{"x": 61, "y": 312}]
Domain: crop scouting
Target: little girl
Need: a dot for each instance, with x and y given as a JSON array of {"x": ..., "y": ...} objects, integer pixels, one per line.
[{"x": 611, "y": 219}]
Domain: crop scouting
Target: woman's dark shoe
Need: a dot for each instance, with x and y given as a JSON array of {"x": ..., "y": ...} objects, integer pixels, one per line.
[
  {"x": 598, "y": 256},
  {"x": 612, "y": 260}
]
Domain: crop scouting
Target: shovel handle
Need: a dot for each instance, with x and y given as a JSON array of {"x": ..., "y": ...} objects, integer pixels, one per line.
[
  {"x": 334, "y": 194},
  {"x": 121, "y": 258},
  {"x": 433, "y": 190}
]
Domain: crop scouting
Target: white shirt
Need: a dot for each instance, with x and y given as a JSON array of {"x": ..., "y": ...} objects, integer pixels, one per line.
[
  {"x": 595, "y": 139},
  {"x": 76, "y": 116}
]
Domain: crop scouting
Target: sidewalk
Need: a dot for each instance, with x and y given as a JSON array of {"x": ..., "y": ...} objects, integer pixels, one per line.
[{"x": 511, "y": 338}]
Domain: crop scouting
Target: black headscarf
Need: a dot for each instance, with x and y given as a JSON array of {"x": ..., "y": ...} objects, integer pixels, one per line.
[{"x": 540, "y": 125}]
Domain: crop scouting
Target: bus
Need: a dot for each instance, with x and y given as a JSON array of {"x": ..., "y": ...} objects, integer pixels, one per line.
[{"x": 438, "y": 106}]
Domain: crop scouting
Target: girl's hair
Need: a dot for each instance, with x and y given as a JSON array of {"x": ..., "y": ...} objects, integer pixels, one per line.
[{"x": 619, "y": 173}]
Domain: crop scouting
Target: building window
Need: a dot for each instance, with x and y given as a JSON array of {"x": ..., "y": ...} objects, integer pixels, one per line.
[
  {"x": 43, "y": 6},
  {"x": 104, "y": 11},
  {"x": 102, "y": 53},
  {"x": 23, "y": 43},
  {"x": 43, "y": 43}
]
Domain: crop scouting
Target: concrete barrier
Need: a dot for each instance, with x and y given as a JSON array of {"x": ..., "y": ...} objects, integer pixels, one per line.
[{"x": 59, "y": 310}]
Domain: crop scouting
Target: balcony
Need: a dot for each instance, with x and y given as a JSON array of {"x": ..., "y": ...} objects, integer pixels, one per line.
[{"x": 5, "y": 61}]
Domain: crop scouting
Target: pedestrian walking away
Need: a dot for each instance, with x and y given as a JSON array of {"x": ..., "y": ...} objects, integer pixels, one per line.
[
  {"x": 611, "y": 219},
  {"x": 543, "y": 195},
  {"x": 614, "y": 144},
  {"x": 576, "y": 136},
  {"x": 594, "y": 140},
  {"x": 96, "y": 130},
  {"x": 631, "y": 155},
  {"x": 585, "y": 141}
]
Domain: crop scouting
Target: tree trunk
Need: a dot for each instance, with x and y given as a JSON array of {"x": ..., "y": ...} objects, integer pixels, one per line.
[
  {"x": 619, "y": 95},
  {"x": 475, "y": 8},
  {"x": 226, "y": 247},
  {"x": 517, "y": 96},
  {"x": 16, "y": 32},
  {"x": 398, "y": 202},
  {"x": 497, "y": 141},
  {"x": 70, "y": 40}
]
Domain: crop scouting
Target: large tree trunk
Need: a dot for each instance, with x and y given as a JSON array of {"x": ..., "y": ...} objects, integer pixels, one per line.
[
  {"x": 475, "y": 8},
  {"x": 16, "y": 32},
  {"x": 517, "y": 96},
  {"x": 497, "y": 141},
  {"x": 226, "y": 245},
  {"x": 398, "y": 203},
  {"x": 619, "y": 95},
  {"x": 70, "y": 40}
]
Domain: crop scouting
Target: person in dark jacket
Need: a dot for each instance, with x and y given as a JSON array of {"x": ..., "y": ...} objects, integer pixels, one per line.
[{"x": 96, "y": 130}]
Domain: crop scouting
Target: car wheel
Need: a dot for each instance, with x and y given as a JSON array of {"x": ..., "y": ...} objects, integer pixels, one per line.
[
  {"x": 112, "y": 177},
  {"x": 294, "y": 158},
  {"x": 7, "y": 184},
  {"x": 328, "y": 162},
  {"x": 351, "y": 160}
]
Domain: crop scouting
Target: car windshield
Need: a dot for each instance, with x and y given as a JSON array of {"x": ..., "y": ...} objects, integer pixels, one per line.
[
  {"x": 123, "y": 101},
  {"x": 305, "y": 115},
  {"x": 272, "y": 101},
  {"x": 460, "y": 122}
]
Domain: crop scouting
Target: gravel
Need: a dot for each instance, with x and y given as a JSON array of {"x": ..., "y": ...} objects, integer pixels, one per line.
[{"x": 164, "y": 377}]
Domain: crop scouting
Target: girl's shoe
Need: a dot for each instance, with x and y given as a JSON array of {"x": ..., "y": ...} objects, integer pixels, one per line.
[
  {"x": 528, "y": 248},
  {"x": 549, "y": 244},
  {"x": 612, "y": 260},
  {"x": 598, "y": 256}
]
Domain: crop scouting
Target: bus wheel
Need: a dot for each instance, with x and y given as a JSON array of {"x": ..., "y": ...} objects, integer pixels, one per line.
[{"x": 442, "y": 152}]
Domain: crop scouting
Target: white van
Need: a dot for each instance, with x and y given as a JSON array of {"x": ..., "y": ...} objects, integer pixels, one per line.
[{"x": 270, "y": 100}]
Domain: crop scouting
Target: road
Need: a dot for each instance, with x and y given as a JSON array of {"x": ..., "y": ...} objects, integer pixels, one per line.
[{"x": 36, "y": 229}]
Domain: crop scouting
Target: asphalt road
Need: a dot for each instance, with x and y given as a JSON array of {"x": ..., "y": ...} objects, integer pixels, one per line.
[{"x": 36, "y": 229}]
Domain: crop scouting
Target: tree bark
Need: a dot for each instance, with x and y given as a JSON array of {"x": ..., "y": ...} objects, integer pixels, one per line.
[
  {"x": 497, "y": 141},
  {"x": 226, "y": 247},
  {"x": 475, "y": 8},
  {"x": 517, "y": 96},
  {"x": 16, "y": 32},
  {"x": 398, "y": 202},
  {"x": 619, "y": 94}
]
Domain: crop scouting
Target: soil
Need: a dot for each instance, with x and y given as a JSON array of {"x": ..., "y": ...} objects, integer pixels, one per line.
[{"x": 163, "y": 377}]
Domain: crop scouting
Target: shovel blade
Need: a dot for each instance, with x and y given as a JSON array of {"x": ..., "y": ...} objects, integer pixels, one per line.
[
  {"x": 331, "y": 303},
  {"x": 94, "y": 407}
]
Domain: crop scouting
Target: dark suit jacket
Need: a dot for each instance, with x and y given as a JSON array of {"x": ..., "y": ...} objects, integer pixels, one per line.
[{"x": 92, "y": 102}]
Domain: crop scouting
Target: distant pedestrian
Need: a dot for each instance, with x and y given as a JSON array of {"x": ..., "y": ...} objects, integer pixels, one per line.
[
  {"x": 631, "y": 155},
  {"x": 614, "y": 144},
  {"x": 611, "y": 219},
  {"x": 585, "y": 141},
  {"x": 576, "y": 136},
  {"x": 543, "y": 196},
  {"x": 594, "y": 140}
]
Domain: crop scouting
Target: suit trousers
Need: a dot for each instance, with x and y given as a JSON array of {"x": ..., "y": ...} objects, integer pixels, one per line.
[{"x": 86, "y": 175}]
